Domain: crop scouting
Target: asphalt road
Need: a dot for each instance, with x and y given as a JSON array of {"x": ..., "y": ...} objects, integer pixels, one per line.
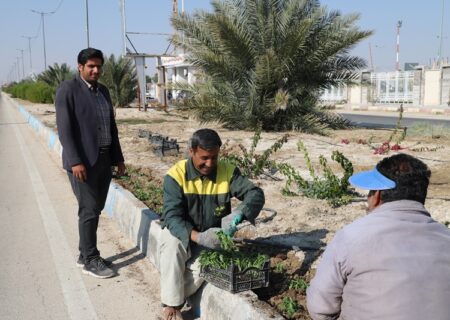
[
  {"x": 39, "y": 241},
  {"x": 388, "y": 121}
]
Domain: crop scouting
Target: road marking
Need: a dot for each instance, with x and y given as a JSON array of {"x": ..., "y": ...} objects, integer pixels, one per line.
[{"x": 78, "y": 303}]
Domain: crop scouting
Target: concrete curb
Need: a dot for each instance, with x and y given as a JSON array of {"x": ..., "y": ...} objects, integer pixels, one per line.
[
  {"x": 141, "y": 225},
  {"x": 395, "y": 108}
]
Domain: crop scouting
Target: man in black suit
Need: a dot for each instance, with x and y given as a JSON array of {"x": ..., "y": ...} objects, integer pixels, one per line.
[{"x": 88, "y": 133}]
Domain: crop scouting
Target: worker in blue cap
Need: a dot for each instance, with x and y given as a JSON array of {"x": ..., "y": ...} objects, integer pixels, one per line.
[{"x": 393, "y": 263}]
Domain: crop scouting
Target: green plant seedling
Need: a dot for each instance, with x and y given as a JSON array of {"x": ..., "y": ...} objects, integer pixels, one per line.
[
  {"x": 279, "y": 267},
  {"x": 298, "y": 284},
  {"x": 330, "y": 187},
  {"x": 289, "y": 306},
  {"x": 249, "y": 162}
]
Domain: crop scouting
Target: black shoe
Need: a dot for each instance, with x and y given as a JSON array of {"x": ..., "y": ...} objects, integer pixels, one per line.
[
  {"x": 96, "y": 267},
  {"x": 80, "y": 262}
]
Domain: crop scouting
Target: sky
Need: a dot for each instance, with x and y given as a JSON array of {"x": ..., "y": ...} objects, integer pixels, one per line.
[{"x": 65, "y": 30}]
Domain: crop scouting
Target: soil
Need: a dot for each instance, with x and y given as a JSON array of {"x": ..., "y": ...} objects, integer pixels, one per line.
[{"x": 299, "y": 221}]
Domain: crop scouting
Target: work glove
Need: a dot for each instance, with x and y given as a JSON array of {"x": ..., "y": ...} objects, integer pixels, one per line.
[
  {"x": 209, "y": 239},
  {"x": 230, "y": 222}
]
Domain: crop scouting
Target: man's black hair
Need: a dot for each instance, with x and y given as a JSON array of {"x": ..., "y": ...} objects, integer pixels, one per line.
[
  {"x": 206, "y": 139},
  {"x": 89, "y": 53},
  {"x": 411, "y": 176}
]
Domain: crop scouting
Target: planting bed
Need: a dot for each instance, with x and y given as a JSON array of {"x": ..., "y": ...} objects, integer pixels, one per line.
[{"x": 300, "y": 220}]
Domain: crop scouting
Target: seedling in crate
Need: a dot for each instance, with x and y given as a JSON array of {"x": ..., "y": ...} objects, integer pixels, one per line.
[{"x": 233, "y": 270}]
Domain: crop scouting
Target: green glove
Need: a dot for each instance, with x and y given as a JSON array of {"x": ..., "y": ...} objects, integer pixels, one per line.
[{"x": 230, "y": 222}]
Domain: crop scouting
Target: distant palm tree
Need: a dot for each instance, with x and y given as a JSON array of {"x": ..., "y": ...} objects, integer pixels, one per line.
[
  {"x": 119, "y": 75},
  {"x": 56, "y": 74},
  {"x": 265, "y": 62}
]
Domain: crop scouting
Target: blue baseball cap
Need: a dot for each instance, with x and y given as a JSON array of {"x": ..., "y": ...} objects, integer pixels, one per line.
[{"x": 371, "y": 180}]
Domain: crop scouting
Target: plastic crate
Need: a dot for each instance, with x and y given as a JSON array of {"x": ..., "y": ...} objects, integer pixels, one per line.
[{"x": 234, "y": 281}]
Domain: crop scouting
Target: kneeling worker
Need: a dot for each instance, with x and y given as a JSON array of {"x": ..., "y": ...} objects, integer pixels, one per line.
[{"x": 197, "y": 194}]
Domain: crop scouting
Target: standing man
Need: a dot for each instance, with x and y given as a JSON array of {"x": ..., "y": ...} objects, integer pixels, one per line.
[
  {"x": 197, "y": 195},
  {"x": 88, "y": 133},
  {"x": 393, "y": 263}
]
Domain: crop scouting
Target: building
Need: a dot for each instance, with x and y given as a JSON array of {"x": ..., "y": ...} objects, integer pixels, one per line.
[{"x": 422, "y": 87}]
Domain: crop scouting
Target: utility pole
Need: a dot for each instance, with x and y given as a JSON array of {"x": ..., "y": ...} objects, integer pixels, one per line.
[
  {"x": 87, "y": 22},
  {"x": 124, "y": 28},
  {"x": 43, "y": 31},
  {"x": 29, "y": 50},
  {"x": 397, "y": 64},
  {"x": 23, "y": 66},
  {"x": 370, "y": 56},
  {"x": 18, "y": 69},
  {"x": 441, "y": 35}
]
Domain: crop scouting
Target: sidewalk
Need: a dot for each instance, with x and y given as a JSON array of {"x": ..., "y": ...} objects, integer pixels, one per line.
[{"x": 392, "y": 110}]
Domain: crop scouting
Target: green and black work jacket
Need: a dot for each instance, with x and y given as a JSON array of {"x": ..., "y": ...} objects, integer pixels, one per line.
[{"x": 194, "y": 201}]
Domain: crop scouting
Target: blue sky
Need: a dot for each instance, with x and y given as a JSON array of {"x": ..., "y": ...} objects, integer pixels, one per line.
[{"x": 65, "y": 30}]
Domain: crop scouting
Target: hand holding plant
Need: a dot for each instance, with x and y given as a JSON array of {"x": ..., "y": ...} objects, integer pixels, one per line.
[
  {"x": 230, "y": 222},
  {"x": 209, "y": 239}
]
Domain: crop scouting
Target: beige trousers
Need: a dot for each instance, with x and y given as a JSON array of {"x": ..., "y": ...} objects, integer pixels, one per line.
[{"x": 179, "y": 269}]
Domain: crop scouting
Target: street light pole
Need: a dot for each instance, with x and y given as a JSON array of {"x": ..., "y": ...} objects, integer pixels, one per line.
[
  {"x": 87, "y": 22},
  {"x": 23, "y": 65},
  {"x": 397, "y": 63},
  {"x": 18, "y": 69},
  {"x": 440, "y": 37},
  {"x": 29, "y": 50},
  {"x": 124, "y": 27},
  {"x": 43, "y": 32}
]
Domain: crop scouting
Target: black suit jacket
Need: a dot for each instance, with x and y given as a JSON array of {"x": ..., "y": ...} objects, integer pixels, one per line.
[{"x": 76, "y": 119}]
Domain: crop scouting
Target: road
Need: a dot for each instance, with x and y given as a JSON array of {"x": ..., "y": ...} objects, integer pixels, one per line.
[
  {"x": 370, "y": 120},
  {"x": 39, "y": 240}
]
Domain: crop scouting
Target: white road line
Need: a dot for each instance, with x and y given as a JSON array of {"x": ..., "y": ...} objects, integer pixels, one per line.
[{"x": 79, "y": 305}]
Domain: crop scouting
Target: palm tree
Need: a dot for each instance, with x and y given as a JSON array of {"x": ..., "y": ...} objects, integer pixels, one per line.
[
  {"x": 264, "y": 62},
  {"x": 56, "y": 74},
  {"x": 119, "y": 75}
]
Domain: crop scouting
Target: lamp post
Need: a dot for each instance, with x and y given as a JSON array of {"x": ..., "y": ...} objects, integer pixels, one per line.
[
  {"x": 123, "y": 26},
  {"x": 23, "y": 65},
  {"x": 440, "y": 37},
  {"x": 397, "y": 64},
  {"x": 43, "y": 31},
  {"x": 87, "y": 22},
  {"x": 29, "y": 50},
  {"x": 18, "y": 69}
]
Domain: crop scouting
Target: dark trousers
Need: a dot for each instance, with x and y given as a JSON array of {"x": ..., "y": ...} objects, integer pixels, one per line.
[{"x": 91, "y": 196}]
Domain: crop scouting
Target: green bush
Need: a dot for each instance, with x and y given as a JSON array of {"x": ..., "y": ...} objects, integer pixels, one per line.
[
  {"x": 249, "y": 162},
  {"x": 38, "y": 92},
  {"x": 20, "y": 89},
  {"x": 330, "y": 187}
]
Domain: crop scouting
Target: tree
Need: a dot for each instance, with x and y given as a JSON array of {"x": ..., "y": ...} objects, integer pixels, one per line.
[
  {"x": 265, "y": 62},
  {"x": 119, "y": 75},
  {"x": 56, "y": 74}
]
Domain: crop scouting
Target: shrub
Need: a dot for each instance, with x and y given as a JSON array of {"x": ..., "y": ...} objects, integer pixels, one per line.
[
  {"x": 40, "y": 92},
  {"x": 251, "y": 164},
  {"x": 329, "y": 187}
]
